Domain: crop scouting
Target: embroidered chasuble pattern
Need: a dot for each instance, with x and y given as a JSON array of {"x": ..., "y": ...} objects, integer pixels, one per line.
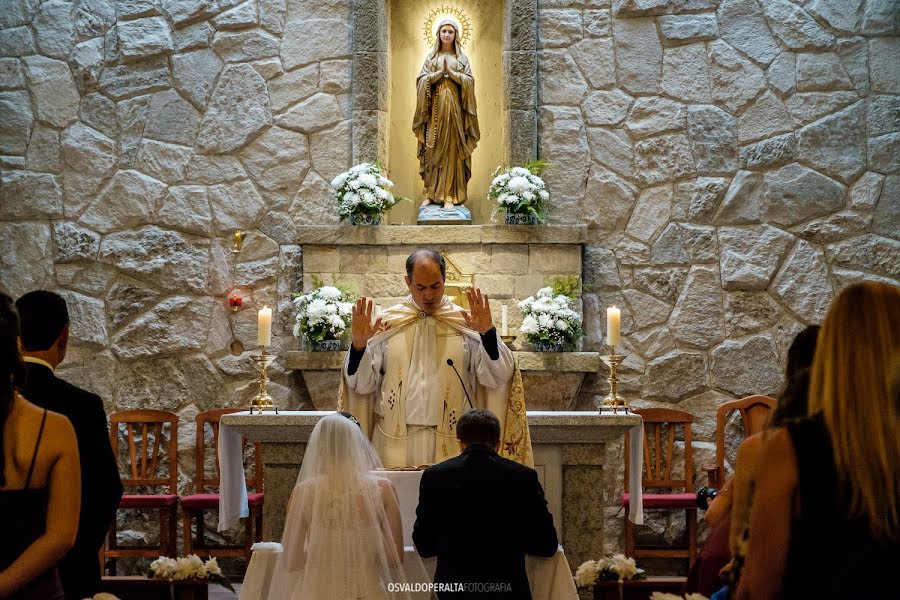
[{"x": 415, "y": 367}]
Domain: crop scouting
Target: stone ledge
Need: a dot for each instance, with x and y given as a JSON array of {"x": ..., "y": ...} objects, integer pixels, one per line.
[
  {"x": 391, "y": 235},
  {"x": 551, "y": 362}
]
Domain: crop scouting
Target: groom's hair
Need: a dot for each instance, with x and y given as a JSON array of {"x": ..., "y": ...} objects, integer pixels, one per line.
[
  {"x": 431, "y": 255},
  {"x": 479, "y": 426}
]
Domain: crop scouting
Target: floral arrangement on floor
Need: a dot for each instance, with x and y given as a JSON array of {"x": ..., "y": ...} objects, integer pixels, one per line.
[
  {"x": 363, "y": 192},
  {"x": 609, "y": 568},
  {"x": 521, "y": 191},
  {"x": 323, "y": 314},
  {"x": 547, "y": 317},
  {"x": 188, "y": 568}
]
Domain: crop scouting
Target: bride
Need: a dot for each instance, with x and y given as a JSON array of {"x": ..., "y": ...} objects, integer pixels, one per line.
[{"x": 343, "y": 535}]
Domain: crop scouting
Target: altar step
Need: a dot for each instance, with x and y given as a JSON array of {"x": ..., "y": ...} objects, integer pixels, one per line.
[{"x": 136, "y": 587}]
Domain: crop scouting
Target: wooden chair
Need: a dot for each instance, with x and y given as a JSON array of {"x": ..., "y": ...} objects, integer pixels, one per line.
[
  {"x": 755, "y": 411},
  {"x": 144, "y": 431},
  {"x": 659, "y": 455},
  {"x": 193, "y": 507}
]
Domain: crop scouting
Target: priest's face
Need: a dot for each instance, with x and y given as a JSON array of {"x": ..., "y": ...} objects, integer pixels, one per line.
[{"x": 426, "y": 285}]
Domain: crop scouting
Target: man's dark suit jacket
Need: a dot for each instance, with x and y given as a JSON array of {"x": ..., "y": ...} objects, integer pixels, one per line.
[
  {"x": 480, "y": 514},
  {"x": 101, "y": 486}
]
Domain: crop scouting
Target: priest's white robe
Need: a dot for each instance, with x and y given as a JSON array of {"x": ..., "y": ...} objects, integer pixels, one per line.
[{"x": 416, "y": 397}]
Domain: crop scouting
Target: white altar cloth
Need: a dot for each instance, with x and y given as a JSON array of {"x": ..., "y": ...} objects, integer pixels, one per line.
[
  {"x": 233, "y": 487},
  {"x": 549, "y": 578}
]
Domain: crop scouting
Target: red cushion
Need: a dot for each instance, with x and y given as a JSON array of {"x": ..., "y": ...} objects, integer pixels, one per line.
[
  {"x": 211, "y": 501},
  {"x": 148, "y": 501},
  {"x": 665, "y": 500}
]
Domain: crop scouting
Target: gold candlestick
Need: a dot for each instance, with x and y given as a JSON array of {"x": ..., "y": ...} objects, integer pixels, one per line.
[
  {"x": 263, "y": 401},
  {"x": 613, "y": 400}
]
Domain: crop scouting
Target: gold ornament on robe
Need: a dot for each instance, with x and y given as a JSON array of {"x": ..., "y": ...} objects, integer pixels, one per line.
[{"x": 446, "y": 122}]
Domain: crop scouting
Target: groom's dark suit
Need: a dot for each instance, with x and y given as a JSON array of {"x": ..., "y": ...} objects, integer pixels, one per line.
[
  {"x": 480, "y": 514},
  {"x": 101, "y": 486}
]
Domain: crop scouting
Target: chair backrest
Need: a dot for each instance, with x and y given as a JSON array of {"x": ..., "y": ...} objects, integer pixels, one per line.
[
  {"x": 144, "y": 431},
  {"x": 755, "y": 411},
  {"x": 210, "y": 419},
  {"x": 660, "y": 426}
]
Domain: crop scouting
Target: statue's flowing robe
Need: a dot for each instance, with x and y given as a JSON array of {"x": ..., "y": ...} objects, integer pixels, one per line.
[
  {"x": 408, "y": 399},
  {"x": 446, "y": 127}
]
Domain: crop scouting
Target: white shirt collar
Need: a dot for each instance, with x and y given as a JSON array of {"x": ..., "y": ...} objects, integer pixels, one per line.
[{"x": 38, "y": 361}]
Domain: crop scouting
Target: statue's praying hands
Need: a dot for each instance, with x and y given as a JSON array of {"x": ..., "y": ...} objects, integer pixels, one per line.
[
  {"x": 478, "y": 317},
  {"x": 362, "y": 329}
]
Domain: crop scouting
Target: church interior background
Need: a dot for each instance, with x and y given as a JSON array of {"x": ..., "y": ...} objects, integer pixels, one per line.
[{"x": 719, "y": 170}]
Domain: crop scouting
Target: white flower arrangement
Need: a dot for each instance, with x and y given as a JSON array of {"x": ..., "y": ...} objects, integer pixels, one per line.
[
  {"x": 549, "y": 320},
  {"x": 610, "y": 568},
  {"x": 186, "y": 568},
  {"x": 363, "y": 191},
  {"x": 521, "y": 191},
  {"x": 322, "y": 314}
]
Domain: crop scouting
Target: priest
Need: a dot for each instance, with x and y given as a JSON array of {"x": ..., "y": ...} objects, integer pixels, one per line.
[{"x": 414, "y": 371}]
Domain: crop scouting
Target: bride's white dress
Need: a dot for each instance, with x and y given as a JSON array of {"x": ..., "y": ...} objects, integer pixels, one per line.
[{"x": 341, "y": 550}]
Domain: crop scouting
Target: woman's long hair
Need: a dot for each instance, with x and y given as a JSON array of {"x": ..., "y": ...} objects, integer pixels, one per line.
[
  {"x": 850, "y": 386},
  {"x": 436, "y": 49},
  {"x": 12, "y": 370}
]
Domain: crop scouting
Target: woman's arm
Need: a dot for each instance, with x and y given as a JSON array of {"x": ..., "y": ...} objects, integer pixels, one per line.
[
  {"x": 746, "y": 469},
  {"x": 395, "y": 521},
  {"x": 64, "y": 485},
  {"x": 770, "y": 520},
  {"x": 721, "y": 504}
]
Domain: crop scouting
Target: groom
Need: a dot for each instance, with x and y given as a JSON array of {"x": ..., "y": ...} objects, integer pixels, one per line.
[{"x": 506, "y": 516}]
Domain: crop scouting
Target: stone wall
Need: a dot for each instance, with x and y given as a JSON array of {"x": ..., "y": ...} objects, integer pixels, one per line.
[{"x": 737, "y": 162}]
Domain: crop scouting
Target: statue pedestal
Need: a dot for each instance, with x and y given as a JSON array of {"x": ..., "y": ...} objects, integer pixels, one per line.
[
  {"x": 435, "y": 214},
  {"x": 569, "y": 453}
]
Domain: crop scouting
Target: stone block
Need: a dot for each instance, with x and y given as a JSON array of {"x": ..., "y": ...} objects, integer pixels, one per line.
[
  {"x": 884, "y": 153},
  {"x": 16, "y": 41},
  {"x": 298, "y": 47},
  {"x": 129, "y": 200},
  {"x": 880, "y": 17},
  {"x": 606, "y": 107},
  {"x": 612, "y": 148},
  {"x": 16, "y": 120},
  {"x": 364, "y": 259},
  {"x": 698, "y": 320},
  {"x": 782, "y": 73},
  {"x": 735, "y": 81},
  {"x": 240, "y": 17},
  {"x": 600, "y": 270},
  {"x": 886, "y": 219},
  {"x": 685, "y": 74},
  {"x": 651, "y": 213},
  {"x": 743, "y": 26},
  {"x": 235, "y": 205},
  {"x": 595, "y": 58},
  {"x": 186, "y": 208},
  {"x": 765, "y": 118},
  {"x": 554, "y": 259},
  {"x": 238, "y": 109},
  {"x": 175, "y": 325},
  {"x": 197, "y": 35},
  {"x": 520, "y": 79},
  {"x": 277, "y": 160},
  {"x": 54, "y": 28},
  {"x": 750, "y": 256},
  {"x": 384, "y": 285},
  {"x": 194, "y": 73},
  {"x": 126, "y": 81},
  {"x": 329, "y": 150},
  {"x": 560, "y": 81},
  {"x": 371, "y": 87},
  {"x": 87, "y": 318},
  {"x": 713, "y": 136},
  {"x": 609, "y": 200},
  {"x": 26, "y": 195},
  {"x": 664, "y": 284},
  {"x": 596, "y": 22},
  {"x": 52, "y": 90},
  {"x": 654, "y": 115},
  {"x": 663, "y": 158},
  {"x": 767, "y": 154},
  {"x": 834, "y": 227},
  {"x": 836, "y": 144},
  {"x": 165, "y": 162},
  {"x": 747, "y": 366},
  {"x": 638, "y": 54},
  {"x": 795, "y": 193},
  {"x": 11, "y": 75},
  {"x": 242, "y": 46},
  {"x": 559, "y": 27},
  {"x": 326, "y": 259},
  {"x": 684, "y": 29},
  {"x": 821, "y": 71},
  {"x": 674, "y": 376},
  {"x": 25, "y": 244},
  {"x": 794, "y": 27},
  {"x": 749, "y": 312},
  {"x": 99, "y": 112},
  {"x": 807, "y": 107},
  {"x": 144, "y": 38},
  {"x": 868, "y": 252},
  {"x": 844, "y": 17}
]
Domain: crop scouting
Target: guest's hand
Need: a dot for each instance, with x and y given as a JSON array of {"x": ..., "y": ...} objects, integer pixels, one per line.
[
  {"x": 361, "y": 328},
  {"x": 478, "y": 317}
]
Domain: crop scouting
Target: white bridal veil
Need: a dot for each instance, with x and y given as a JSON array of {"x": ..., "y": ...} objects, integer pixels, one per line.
[{"x": 338, "y": 538}]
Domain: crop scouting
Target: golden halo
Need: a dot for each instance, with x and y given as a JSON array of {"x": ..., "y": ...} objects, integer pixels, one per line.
[{"x": 429, "y": 27}]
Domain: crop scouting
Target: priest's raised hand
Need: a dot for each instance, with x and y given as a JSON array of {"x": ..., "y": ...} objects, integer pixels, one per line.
[
  {"x": 478, "y": 317},
  {"x": 362, "y": 329}
]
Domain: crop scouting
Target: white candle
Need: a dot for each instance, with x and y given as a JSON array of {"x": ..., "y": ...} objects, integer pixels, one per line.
[
  {"x": 504, "y": 323},
  {"x": 264, "y": 326},
  {"x": 613, "y": 319}
]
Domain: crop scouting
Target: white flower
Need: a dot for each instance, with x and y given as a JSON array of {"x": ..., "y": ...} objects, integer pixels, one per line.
[
  {"x": 329, "y": 292},
  {"x": 355, "y": 184},
  {"x": 361, "y": 167},
  {"x": 625, "y": 568},
  {"x": 561, "y": 325},
  {"x": 212, "y": 567},
  {"x": 587, "y": 573},
  {"x": 545, "y": 321},
  {"x": 317, "y": 308},
  {"x": 345, "y": 308},
  {"x": 518, "y": 185},
  {"x": 340, "y": 180},
  {"x": 384, "y": 181},
  {"x": 351, "y": 199},
  {"x": 543, "y": 194},
  {"x": 163, "y": 567},
  {"x": 529, "y": 196},
  {"x": 546, "y": 292},
  {"x": 188, "y": 567},
  {"x": 520, "y": 171},
  {"x": 368, "y": 198},
  {"x": 336, "y": 323},
  {"x": 368, "y": 180},
  {"x": 529, "y": 325}
]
